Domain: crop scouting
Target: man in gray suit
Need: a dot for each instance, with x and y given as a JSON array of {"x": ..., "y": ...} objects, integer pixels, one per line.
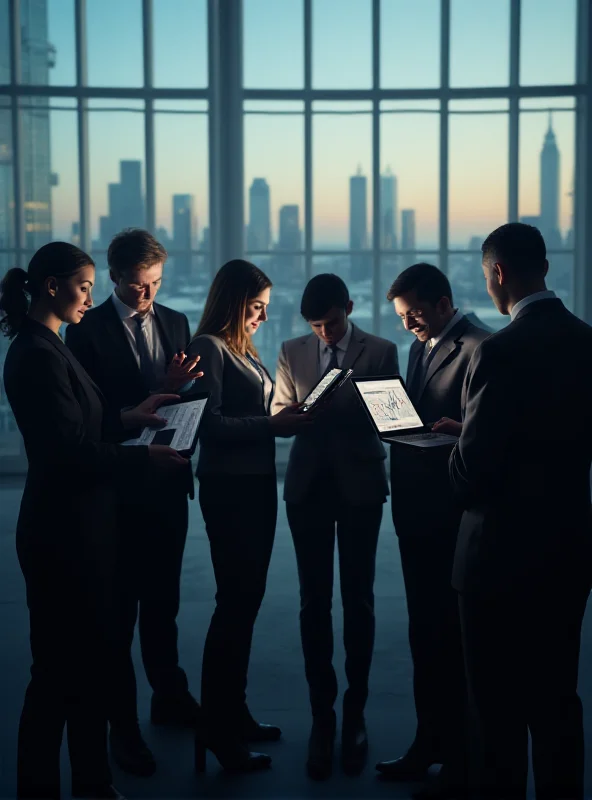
[
  {"x": 426, "y": 519},
  {"x": 335, "y": 484}
]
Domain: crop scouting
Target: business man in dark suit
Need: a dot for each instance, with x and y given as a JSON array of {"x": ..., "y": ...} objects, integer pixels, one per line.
[
  {"x": 132, "y": 346},
  {"x": 426, "y": 519},
  {"x": 521, "y": 470},
  {"x": 335, "y": 486}
]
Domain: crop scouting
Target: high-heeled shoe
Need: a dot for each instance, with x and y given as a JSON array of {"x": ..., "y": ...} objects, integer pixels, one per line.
[{"x": 231, "y": 754}]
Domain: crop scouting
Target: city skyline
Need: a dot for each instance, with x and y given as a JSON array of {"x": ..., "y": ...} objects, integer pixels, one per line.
[{"x": 410, "y": 141}]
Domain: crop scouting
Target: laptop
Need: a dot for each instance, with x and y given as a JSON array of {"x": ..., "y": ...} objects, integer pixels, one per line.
[{"x": 394, "y": 416}]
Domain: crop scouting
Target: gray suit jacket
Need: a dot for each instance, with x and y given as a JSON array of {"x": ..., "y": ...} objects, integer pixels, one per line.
[
  {"x": 417, "y": 474},
  {"x": 235, "y": 435},
  {"x": 342, "y": 438}
]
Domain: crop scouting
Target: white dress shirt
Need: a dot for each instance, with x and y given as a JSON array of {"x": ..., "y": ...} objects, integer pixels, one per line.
[
  {"x": 431, "y": 343},
  {"x": 150, "y": 331},
  {"x": 547, "y": 294},
  {"x": 325, "y": 351}
]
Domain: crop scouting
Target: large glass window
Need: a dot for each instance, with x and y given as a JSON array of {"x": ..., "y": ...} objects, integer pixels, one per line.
[{"x": 372, "y": 137}]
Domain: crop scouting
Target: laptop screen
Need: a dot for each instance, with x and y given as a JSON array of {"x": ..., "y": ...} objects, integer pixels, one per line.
[{"x": 389, "y": 405}]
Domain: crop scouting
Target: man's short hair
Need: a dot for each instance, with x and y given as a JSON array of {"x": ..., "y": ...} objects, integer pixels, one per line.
[
  {"x": 520, "y": 247},
  {"x": 322, "y": 293},
  {"x": 427, "y": 281},
  {"x": 134, "y": 247}
]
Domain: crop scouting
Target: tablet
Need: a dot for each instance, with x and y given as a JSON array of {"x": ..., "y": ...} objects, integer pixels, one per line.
[
  {"x": 182, "y": 427},
  {"x": 326, "y": 386}
]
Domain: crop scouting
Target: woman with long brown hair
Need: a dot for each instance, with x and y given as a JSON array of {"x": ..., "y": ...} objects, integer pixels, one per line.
[{"x": 238, "y": 499}]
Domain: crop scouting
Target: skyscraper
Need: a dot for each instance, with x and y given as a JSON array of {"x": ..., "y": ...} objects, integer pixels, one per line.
[
  {"x": 131, "y": 210},
  {"x": 259, "y": 230},
  {"x": 549, "y": 217},
  {"x": 358, "y": 229},
  {"x": 408, "y": 229},
  {"x": 388, "y": 211},
  {"x": 125, "y": 202},
  {"x": 184, "y": 235},
  {"x": 290, "y": 239}
]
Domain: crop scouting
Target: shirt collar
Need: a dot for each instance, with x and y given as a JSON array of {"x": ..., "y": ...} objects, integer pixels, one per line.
[
  {"x": 546, "y": 294},
  {"x": 343, "y": 343},
  {"x": 456, "y": 318},
  {"x": 125, "y": 312}
]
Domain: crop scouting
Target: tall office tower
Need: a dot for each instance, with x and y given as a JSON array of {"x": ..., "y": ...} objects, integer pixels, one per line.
[
  {"x": 37, "y": 57},
  {"x": 131, "y": 201},
  {"x": 550, "y": 190},
  {"x": 6, "y": 190},
  {"x": 259, "y": 230},
  {"x": 358, "y": 228},
  {"x": 408, "y": 229},
  {"x": 388, "y": 211},
  {"x": 184, "y": 236},
  {"x": 290, "y": 239}
]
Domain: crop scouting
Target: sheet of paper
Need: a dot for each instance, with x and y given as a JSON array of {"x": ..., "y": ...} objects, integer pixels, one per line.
[{"x": 182, "y": 422}]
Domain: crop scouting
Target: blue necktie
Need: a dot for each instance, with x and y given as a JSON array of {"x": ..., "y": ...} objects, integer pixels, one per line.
[{"x": 146, "y": 363}]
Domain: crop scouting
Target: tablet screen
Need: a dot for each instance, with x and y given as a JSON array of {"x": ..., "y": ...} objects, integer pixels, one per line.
[
  {"x": 182, "y": 422},
  {"x": 321, "y": 387}
]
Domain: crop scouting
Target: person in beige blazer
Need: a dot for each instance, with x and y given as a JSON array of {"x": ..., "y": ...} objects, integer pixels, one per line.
[{"x": 335, "y": 485}]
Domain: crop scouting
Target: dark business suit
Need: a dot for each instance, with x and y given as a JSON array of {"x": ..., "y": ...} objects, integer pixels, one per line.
[
  {"x": 67, "y": 548},
  {"x": 335, "y": 488},
  {"x": 238, "y": 499},
  {"x": 523, "y": 560},
  {"x": 155, "y": 529},
  {"x": 426, "y": 518}
]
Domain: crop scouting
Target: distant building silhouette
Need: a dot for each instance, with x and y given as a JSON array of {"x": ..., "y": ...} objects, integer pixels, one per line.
[
  {"x": 388, "y": 211},
  {"x": 290, "y": 239},
  {"x": 358, "y": 226},
  {"x": 408, "y": 229},
  {"x": 184, "y": 236},
  {"x": 536, "y": 221},
  {"x": 259, "y": 229},
  {"x": 549, "y": 190},
  {"x": 125, "y": 202}
]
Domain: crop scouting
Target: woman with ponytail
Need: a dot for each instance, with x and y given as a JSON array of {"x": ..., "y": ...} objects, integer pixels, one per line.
[{"x": 67, "y": 526}]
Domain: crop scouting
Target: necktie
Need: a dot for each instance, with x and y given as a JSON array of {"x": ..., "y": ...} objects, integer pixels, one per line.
[
  {"x": 333, "y": 363},
  {"x": 146, "y": 363}
]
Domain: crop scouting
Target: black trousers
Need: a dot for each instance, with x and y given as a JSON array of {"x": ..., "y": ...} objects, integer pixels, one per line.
[
  {"x": 314, "y": 524},
  {"x": 70, "y": 650},
  {"x": 522, "y": 650},
  {"x": 154, "y": 532},
  {"x": 240, "y": 514},
  {"x": 439, "y": 684}
]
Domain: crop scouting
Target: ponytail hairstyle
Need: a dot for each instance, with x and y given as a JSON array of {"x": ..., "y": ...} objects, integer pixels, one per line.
[
  {"x": 59, "y": 260},
  {"x": 235, "y": 284}
]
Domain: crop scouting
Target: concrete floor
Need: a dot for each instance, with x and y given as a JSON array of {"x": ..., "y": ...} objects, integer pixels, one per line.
[{"x": 277, "y": 689}]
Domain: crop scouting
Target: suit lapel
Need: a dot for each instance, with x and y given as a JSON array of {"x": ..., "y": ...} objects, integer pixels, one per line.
[
  {"x": 166, "y": 334},
  {"x": 355, "y": 348},
  {"x": 444, "y": 351},
  {"x": 310, "y": 363},
  {"x": 116, "y": 346},
  {"x": 414, "y": 356}
]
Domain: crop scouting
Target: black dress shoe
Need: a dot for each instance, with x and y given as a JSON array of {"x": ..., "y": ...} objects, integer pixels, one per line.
[
  {"x": 354, "y": 745},
  {"x": 105, "y": 792},
  {"x": 181, "y": 711},
  {"x": 413, "y": 766},
  {"x": 254, "y": 731},
  {"x": 231, "y": 754},
  {"x": 130, "y": 752},
  {"x": 319, "y": 764}
]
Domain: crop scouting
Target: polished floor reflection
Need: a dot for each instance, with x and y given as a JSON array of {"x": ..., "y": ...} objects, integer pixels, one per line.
[{"x": 277, "y": 687}]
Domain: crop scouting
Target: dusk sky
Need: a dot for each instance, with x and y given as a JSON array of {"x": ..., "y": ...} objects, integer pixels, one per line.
[{"x": 274, "y": 145}]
